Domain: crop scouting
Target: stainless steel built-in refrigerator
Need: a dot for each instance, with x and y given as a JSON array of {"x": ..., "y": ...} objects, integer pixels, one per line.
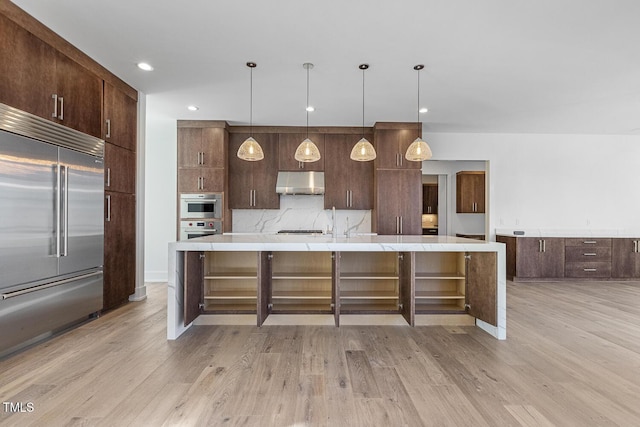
[{"x": 51, "y": 227}]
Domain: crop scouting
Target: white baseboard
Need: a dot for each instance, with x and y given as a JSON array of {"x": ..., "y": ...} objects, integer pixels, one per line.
[{"x": 156, "y": 276}]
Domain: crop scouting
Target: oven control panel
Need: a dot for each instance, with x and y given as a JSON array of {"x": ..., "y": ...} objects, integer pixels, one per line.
[{"x": 200, "y": 225}]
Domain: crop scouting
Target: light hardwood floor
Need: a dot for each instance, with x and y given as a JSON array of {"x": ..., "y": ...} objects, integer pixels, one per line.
[{"x": 572, "y": 357}]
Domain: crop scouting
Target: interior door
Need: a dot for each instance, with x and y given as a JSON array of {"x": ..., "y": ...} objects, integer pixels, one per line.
[
  {"x": 481, "y": 286},
  {"x": 28, "y": 233},
  {"x": 82, "y": 211},
  {"x": 193, "y": 285}
]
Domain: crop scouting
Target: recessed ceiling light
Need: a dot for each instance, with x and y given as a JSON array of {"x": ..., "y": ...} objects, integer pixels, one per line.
[
  {"x": 310, "y": 108},
  {"x": 192, "y": 108},
  {"x": 144, "y": 66},
  {"x": 423, "y": 110}
]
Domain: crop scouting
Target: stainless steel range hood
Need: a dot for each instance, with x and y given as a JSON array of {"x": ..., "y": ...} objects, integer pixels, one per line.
[{"x": 300, "y": 183}]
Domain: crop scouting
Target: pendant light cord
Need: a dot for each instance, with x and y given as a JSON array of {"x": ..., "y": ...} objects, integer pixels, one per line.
[
  {"x": 418, "y": 109},
  {"x": 363, "y": 102},
  {"x": 307, "y": 106},
  {"x": 251, "y": 101}
]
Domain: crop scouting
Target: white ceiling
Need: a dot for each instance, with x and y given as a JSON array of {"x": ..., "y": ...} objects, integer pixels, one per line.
[{"x": 544, "y": 66}]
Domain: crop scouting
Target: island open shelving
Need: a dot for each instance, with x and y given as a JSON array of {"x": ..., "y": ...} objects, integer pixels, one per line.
[{"x": 267, "y": 275}]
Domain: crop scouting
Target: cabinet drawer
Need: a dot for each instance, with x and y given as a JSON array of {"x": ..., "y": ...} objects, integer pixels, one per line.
[
  {"x": 588, "y": 269},
  {"x": 587, "y": 254},
  {"x": 587, "y": 242}
]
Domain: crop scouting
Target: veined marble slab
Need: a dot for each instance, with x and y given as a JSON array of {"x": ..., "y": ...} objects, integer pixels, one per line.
[
  {"x": 360, "y": 243},
  {"x": 546, "y": 232}
]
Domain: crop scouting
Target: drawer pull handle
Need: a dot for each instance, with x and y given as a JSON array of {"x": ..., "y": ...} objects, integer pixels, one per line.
[
  {"x": 589, "y": 242},
  {"x": 590, "y": 254},
  {"x": 590, "y": 269}
]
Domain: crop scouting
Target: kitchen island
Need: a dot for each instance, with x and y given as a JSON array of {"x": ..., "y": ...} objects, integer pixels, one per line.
[{"x": 366, "y": 276}]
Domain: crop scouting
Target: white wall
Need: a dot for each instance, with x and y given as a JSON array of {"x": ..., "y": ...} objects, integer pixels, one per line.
[
  {"x": 581, "y": 182},
  {"x": 160, "y": 192}
]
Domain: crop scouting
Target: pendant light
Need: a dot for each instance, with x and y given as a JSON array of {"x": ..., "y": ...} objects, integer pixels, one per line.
[
  {"x": 307, "y": 151},
  {"x": 363, "y": 151},
  {"x": 250, "y": 150},
  {"x": 418, "y": 150}
]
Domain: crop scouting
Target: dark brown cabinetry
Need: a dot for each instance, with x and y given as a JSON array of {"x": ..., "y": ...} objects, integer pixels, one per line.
[
  {"x": 430, "y": 198},
  {"x": 587, "y": 258},
  {"x": 391, "y": 141},
  {"x": 253, "y": 184},
  {"x": 408, "y": 283},
  {"x": 120, "y": 134},
  {"x": 119, "y": 248},
  {"x": 470, "y": 192},
  {"x": 348, "y": 183},
  {"x": 398, "y": 202},
  {"x": 287, "y": 145},
  {"x": 36, "y": 78},
  {"x": 120, "y": 118},
  {"x": 625, "y": 258},
  {"x": 202, "y": 156},
  {"x": 534, "y": 257}
]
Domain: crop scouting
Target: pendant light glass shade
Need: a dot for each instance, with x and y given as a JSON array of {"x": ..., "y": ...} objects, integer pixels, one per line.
[
  {"x": 418, "y": 150},
  {"x": 250, "y": 150},
  {"x": 363, "y": 151},
  {"x": 307, "y": 151}
]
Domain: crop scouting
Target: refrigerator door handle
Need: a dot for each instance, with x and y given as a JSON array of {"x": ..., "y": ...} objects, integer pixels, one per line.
[
  {"x": 65, "y": 221},
  {"x": 48, "y": 285},
  {"x": 58, "y": 208}
]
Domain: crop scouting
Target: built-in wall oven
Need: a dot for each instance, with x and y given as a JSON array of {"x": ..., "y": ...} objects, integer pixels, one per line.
[
  {"x": 200, "y": 215},
  {"x": 190, "y": 229},
  {"x": 194, "y": 206}
]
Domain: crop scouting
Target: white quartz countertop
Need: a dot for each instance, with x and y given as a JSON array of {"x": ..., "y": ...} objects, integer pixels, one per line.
[
  {"x": 360, "y": 243},
  {"x": 541, "y": 232}
]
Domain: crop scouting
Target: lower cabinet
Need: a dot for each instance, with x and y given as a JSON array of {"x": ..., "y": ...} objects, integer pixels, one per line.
[
  {"x": 119, "y": 248},
  {"x": 534, "y": 257},
  {"x": 340, "y": 283},
  {"x": 625, "y": 258}
]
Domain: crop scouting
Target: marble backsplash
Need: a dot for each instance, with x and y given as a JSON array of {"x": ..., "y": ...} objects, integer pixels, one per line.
[{"x": 300, "y": 212}]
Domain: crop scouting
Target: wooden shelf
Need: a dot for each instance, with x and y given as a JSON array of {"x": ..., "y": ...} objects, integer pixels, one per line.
[
  {"x": 230, "y": 308},
  {"x": 439, "y": 276},
  {"x": 231, "y": 294},
  {"x": 439, "y": 295},
  {"x": 440, "y": 308},
  {"x": 369, "y": 276},
  {"x": 231, "y": 276},
  {"x": 302, "y": 276},
  {"x": 302, "y": 295},
  {"x": 284, "y": 308},
  {"x": 369, "y": 308},
  {"x": 368, "y": 295}
]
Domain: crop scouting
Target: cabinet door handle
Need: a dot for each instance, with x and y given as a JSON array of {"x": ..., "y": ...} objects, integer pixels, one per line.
[
  {"x": 397, "y": 220},
  {"x": 350, "y": 198},
  {"x": 347, "y": 195},
  {"x": 202, "y": 157},
  {"x": 590, "y": 269},
  {"x": 108, "y": 135},
  {"x": 61, "y": 116},
  {"x": 589, "y": 242},
  {"x": 108, "y": 177},
  {"x": 55, "y": 106},
  {"x": 589, "y": 254},
  {"x": 401, "y": 224},
  {"x": 254, "y": 198},
  {"x": 539, "y": 245},
  {"x": 108, "y": 207},
  {"x": 250, "y": 198},
  {"x": 635, "y": 246},
  {"x": 544, "y": 245}
]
